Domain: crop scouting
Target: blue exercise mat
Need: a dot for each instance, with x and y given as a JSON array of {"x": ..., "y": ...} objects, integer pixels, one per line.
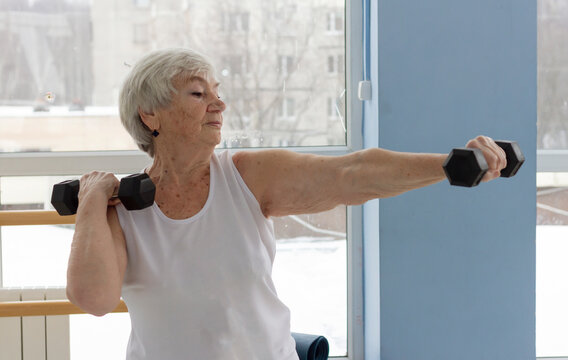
[{"x": 311, "y": 347}]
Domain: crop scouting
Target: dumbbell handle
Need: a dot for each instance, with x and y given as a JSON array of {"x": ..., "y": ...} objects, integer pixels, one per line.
[{"x": 113, "y": 196}]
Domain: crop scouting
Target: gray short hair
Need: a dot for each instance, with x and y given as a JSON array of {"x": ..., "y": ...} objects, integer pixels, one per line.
[{"x": 149, "y": 86}]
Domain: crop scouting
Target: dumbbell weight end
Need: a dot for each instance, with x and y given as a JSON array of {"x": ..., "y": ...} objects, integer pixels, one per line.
[
  {"x": 515, "y": 157},
  {"x": 65, "y": 197},
  {"x": 465, "y": 167},
  {"x": 136, "y": 191}
]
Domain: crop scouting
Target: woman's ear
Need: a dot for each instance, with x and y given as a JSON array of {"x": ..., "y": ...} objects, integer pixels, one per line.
[{"x": 149, "y": 119}]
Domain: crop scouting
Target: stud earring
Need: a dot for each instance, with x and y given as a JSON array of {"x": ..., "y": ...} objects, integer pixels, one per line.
[{"x": 155, "y": 133}]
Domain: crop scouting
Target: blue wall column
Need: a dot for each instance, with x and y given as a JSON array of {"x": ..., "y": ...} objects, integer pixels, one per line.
[{"x": 457, "y": 265}]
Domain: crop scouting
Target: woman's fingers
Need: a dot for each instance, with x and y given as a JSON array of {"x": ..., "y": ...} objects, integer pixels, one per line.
[
  {"x": 494, "y": 156},
  {"x": 98, "y": 181}
]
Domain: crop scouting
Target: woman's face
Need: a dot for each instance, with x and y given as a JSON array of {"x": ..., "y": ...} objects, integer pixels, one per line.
[{"x": 196, "y": 112}]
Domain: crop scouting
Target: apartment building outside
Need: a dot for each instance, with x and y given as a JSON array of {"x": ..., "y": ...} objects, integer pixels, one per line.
[{"x": 281, "y": 65}]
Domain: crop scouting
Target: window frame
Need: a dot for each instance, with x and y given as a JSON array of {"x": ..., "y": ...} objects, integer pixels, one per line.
[
  {"x": 72, "y": 163},
  {"x": 551, "y": 161}
]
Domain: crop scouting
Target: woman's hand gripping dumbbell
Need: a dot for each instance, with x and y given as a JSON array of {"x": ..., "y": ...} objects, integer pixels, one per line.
[
  {"x": 467, "y": 166},
  {"x": 136, "y": 192}
]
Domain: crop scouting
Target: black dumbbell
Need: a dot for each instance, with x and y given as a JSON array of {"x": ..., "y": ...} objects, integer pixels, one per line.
[
  {"x": 466, "y": 167},
  {"x": 136, "y": 192}
]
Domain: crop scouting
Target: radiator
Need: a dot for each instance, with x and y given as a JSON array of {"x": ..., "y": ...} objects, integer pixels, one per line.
[{"x": 34, "y": 337}]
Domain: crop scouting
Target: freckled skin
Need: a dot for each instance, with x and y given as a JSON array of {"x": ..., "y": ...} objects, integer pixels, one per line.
[
  {"x": 188, "y": 114},
  {"x": 190, "y": 128},
  {"x": 181, "y": 201}
]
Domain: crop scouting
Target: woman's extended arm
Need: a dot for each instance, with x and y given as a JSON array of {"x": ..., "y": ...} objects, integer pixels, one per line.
[
  {"x": 98, "y": 253},
  {"x": 286, "y": 183}
]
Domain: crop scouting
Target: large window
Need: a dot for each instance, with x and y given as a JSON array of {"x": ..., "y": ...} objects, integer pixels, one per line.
[
  {"x": 58, "y": 119},
  {"x": 68, "y": 59},
  {"x": 552, "y": 181}
]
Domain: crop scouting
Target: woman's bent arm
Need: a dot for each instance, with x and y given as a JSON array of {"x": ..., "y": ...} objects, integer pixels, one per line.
[{"x": 98, "y": 255}]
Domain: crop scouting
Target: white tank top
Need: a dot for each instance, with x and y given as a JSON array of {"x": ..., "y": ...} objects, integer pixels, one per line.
[{"x": 201, "y": 288}]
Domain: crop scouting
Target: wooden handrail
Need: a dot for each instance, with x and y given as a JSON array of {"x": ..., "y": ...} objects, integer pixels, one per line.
[
  {"x": 45, "y": 308},
  {"x": 35, "y": 217}
]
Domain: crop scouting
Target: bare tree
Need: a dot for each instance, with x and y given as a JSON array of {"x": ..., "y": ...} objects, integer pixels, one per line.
[
  {"x": 271, "y": 64},
  {"x": 552, "y": 74}
]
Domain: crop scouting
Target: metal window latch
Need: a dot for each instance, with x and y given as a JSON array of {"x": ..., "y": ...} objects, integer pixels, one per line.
[{"x": 365, "y": 90}]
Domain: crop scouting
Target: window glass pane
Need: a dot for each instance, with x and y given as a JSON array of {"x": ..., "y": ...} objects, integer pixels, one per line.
[
  {"x": 552, "y": 74},
  {"x": 32, "y": 255},
  {"x": 552, "y": 188},
  {"x": 310, "y": 274},
  {"x": 551, "y": 265},
  {"x": 87, "y": 333},
  {"x": 35, "y": 255},
  {"x": 62, "y": 76}
]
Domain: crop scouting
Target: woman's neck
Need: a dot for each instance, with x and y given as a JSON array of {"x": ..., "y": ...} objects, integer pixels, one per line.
[{"x": 178, "y": 167}]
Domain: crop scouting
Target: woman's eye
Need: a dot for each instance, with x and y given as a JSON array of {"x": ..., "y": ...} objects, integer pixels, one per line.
[{"x": 197, "y": 93}]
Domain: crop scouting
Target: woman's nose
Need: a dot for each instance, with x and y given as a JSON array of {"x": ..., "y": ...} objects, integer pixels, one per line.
[{"x": 217, "y": 106}]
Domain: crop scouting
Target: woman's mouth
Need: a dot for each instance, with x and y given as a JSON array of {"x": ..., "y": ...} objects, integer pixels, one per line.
[{"x": 215, "y": 124}]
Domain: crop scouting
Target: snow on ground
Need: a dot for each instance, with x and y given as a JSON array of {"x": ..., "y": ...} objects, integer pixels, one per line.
[{"x": 551, "y": 291}]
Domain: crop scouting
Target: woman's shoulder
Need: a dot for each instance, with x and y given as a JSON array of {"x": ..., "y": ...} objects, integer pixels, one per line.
[
  {"x": 255, "y": 160},
  {"x": 247, "y": 163},
  {"x": 239, "y": 158}
]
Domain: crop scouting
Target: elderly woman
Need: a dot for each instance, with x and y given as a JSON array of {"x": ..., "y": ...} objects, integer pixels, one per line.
[{"x": 195, "y": 267}]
